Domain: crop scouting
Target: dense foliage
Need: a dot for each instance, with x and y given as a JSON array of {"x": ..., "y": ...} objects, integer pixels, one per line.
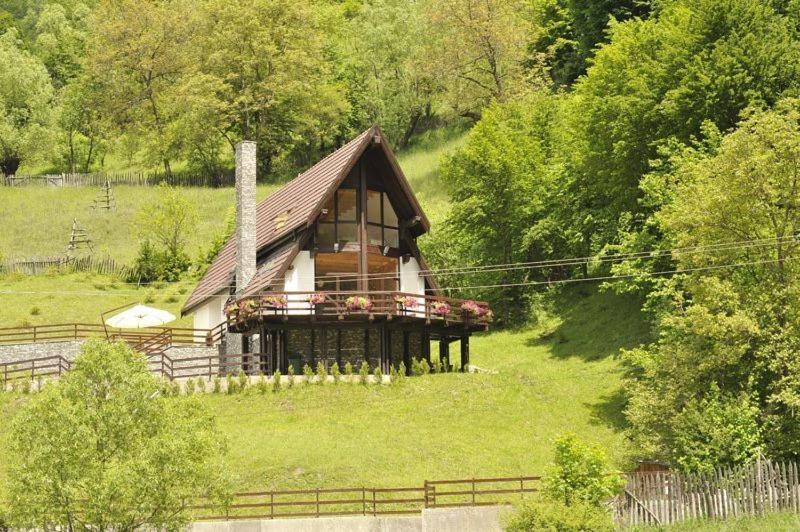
[
  {"x": 681, "y": 136},
  {"x": 101, "y": 449},
  {"x": 176, "y": 83}
]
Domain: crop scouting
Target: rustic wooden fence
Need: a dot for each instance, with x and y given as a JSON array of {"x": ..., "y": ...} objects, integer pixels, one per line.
[
  {"x": 42, "y": 265},
  {"x": 663, "y": 498},
  {"x": 185, "y": 178},
  {"x": 327, "y": 502}
]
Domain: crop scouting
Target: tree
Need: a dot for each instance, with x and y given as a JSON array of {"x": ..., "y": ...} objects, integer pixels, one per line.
[
  {"x": 729, "y": 329},
  {"x": 662, "y": 79},
  {"x": 264, "y": 67},
  {"x": 101, "y": 449},
  {"x": 569, "y": 31},
  {"x": 382, "y": 61},
  {"x": 479, "y": 51},
  {"x": 25, "y": 99},
  {"x": 138, "y": 53},
  {"x": 169, "y": 220},
  {"x": 505, "y": 189}
]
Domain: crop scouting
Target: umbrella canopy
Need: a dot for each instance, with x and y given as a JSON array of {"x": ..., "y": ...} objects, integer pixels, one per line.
[{"x": 140, "y": 316}]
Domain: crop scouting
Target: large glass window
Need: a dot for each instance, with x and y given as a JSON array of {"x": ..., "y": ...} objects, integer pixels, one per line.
[
  {"x": 339, "y": 219},
  {"x": 382, "y": 223},
  {"x": 384, "y": 273},
  {"x": 336, "y": 271}
]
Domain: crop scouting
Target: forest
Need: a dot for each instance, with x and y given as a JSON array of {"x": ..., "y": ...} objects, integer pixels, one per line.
[{"x": 651, "y": 147}]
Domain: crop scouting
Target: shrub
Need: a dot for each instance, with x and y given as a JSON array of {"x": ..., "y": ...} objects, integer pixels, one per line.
[
  {"x": 335, "y": 373},
  {"x": 322, "y": 375},
  {"x": 153, "y": 265},
  {"x": 243, "y": 381},
  {"x": 363, "y": 373},
  {"x": 276, "y": 381},
  {"x": 35, "y": 311},
  {"x": 25, "y": 387},
  {"x": 189, "y": 387},
  {"x": 558, "y": 517},
  {"x": 424, "y": 367},
  {"x": 416, "y": 370},
  {"x": 201, "y": 385},
  {"x": 402, "y": 371},
  {"x": 378, "y": 374},
  {"x": 217, "y": 385},
  {"x": 348, "y": 370},
  {"x": 437, "y": 367},
  {"x": 174, "y": 388},
  {"x": 580, "y": 474},
  {"x": 308, "y": 373},
  {"x": 261, "y": 385},
  {"x": 393, "y": 373},
  {"x": 290, "y": 374},
  {"x": 231, "y": 388}
]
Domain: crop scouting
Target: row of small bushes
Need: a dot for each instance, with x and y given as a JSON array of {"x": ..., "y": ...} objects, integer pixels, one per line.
[{"x": 237, "y": 383}]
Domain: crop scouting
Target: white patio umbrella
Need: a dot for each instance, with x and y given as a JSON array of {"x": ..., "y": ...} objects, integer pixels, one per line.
[{"x": 140, "y": 316}]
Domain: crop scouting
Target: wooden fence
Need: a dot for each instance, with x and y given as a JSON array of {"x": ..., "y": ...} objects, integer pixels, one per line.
[
  {"x": 663, "y": 498},
  {"x": 186, "y": 178},
  {"x": 62, "y": 332},
  {"x": 42, "y": 265},
  {"x": 329, "y": 502}
]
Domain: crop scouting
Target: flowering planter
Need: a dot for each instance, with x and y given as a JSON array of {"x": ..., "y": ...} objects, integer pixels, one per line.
[
  {"x": 358, "y": 304},
  {"x": 440, "y": 308},
  {"x": 475, "y": 310}
]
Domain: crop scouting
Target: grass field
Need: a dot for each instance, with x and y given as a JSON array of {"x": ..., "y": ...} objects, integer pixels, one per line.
[
  {"x": 559, "y": 376},
  {"x": 775, "y": 522}
]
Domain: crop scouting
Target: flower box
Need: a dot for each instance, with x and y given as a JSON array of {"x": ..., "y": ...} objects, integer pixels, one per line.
[
  {"x": 277, "y": 301},
  {"x": 316, "y": 299},
  {"x": 356, "y": 303},
  {"x": 440, "y": 308},
  {"x": 406, "y": 302},
  {"x": 476, "y": 310}
]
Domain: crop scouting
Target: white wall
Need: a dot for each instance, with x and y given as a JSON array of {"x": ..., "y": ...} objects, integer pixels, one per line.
[
  {"x": 210, "y": 314},
  {"x": 411, "y": 281},
  {"x": 300, "y": 278}
]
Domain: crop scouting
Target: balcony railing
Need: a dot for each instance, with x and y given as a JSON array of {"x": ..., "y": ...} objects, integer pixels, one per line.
[{"x": 354, "y": 305}]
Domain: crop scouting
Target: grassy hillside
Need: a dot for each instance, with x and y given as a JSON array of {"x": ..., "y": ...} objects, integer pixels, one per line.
[{"x": 559, "y": 376}]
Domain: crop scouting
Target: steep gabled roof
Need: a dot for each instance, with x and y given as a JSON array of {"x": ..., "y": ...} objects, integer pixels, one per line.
[{"x": 293, "y": 207}]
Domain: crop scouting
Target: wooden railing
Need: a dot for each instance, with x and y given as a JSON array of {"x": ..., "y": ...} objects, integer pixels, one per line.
[
  {"x": 33, "y": 368},
  {"x": 79, "y": 331},
  {"x": 339, "y": 305},
  {"x": 326, "y": 502}
]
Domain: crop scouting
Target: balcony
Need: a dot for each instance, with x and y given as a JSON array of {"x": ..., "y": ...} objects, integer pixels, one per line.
[{"x": 277, "y": 307}]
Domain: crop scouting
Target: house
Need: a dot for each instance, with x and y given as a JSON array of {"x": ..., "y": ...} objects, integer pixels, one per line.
[{"x": 328, "y": 269}]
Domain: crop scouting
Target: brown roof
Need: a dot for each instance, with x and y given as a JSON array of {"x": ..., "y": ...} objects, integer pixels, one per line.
[{"x": 296, "y": 205}]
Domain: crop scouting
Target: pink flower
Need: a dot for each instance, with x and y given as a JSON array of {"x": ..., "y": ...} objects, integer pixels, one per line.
[
  {"x": 440, "y": 308},
  {"x": 358, "y": 303},
  {"x": 317, "y": 299}
]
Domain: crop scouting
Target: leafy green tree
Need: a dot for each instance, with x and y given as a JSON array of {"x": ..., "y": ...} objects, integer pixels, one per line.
[
  {"x": 26, "y": 97},
  {"x": 101, "y": 449},
  {"x": 663, "y": 78},
  {"x": 478, "y": 51},
  {"x": 580, "y": 473},
  {"x": 505, "y": 186},
  {"x": 384, "y": 65},
  {"x": 730, "y": 322},
  {"x": 569, "y": 31},
  {"x": 169, "y": 220},
  {"x": 264, "y": 66},
  {"x": 138, "y": 53}
]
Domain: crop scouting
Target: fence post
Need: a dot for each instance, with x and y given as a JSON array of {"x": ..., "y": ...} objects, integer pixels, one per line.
[
  {"x": 272, "y": 505},
  {"x": 473, "y": 491},
  {"x": 374, "y": 504},
  {"x": 317, "y": 502},
  {"x": 364, "y": 501},
  {"x": 425, "y": 495}
]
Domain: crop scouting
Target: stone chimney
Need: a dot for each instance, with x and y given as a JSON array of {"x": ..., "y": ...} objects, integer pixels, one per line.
[{"x": 245, "y": 214}]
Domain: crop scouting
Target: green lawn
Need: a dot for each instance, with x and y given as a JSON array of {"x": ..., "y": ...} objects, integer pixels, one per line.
[
  {"x": 775, "y": 522},
  {"x": 560, "y": 376}
]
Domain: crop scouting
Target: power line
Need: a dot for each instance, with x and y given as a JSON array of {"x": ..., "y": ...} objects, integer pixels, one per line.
[{"x": 464, "y": 287}]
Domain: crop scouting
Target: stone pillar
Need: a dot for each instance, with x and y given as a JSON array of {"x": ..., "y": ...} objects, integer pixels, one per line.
[{"x": 245, "y": 229}]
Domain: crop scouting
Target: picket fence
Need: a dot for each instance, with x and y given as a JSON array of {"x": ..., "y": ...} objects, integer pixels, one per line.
[
  {"x": 665, "y": 497},
  {"x": 43, "y": 265},
  {"x": 99, "y": 179}
]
